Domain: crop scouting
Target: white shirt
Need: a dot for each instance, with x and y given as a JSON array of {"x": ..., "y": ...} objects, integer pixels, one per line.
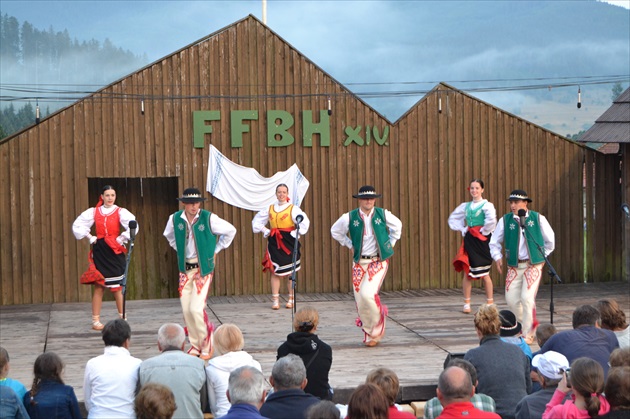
[
  {"x": 109, "y": 384},
  {"x": 548, "y": 235},
  {"x": 84, "y": 222},
  {"x": 340, "y": 229},
  {"x": 219, "y": 227},
  {"x": 262, "y": 218},
  {"x": 457, "y": 219}
]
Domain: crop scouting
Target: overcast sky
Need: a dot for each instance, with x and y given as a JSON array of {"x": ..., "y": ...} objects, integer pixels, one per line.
[{"x": 354, "y": 41}]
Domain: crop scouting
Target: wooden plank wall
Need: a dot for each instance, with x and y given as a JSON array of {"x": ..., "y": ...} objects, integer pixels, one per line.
[{"x": 54, "y": 170}]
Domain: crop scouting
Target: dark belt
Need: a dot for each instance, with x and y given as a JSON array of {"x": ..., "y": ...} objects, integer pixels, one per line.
[
  {"x": 190, "y": 266},
  {"x": 368, "y": 256},
  {"x": 523, "y": 260}
]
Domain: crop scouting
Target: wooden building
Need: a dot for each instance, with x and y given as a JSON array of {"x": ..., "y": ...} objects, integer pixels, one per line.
[{"x": 264, "y": 105}]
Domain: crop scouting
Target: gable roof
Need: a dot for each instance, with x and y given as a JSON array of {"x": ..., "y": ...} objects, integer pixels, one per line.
[{"x": 613, "y": 126}]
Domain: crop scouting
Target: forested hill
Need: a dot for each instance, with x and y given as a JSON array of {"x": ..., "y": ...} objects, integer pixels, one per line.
[{"x": 37, "y": 61}]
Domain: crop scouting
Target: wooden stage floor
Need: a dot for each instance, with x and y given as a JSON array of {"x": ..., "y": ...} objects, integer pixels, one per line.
[{"x": 422, "y": 327}]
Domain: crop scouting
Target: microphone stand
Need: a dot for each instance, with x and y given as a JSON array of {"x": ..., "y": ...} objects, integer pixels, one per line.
[
  {"x": 299, "y": 219},
  {"x": 551, "y": 271},
  {"x": 124, "y": 282}
]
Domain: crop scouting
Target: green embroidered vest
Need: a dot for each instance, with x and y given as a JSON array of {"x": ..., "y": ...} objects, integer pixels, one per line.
[
  {"x": 205, "y": 241},
  {"x": 512, "y": 234},
  {"x": 379, "y": 225},
  {"x": 475, "y": 217}
]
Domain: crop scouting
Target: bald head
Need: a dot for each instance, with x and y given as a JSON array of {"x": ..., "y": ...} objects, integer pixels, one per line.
[{"x": 454, "y": 385}]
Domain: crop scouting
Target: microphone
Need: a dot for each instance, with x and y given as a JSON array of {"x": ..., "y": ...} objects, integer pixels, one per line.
[
  {"x": 299, "y": 218},
  {"x": 626, "y": 209},
  {"x": 521, "y": 216},
  {"x": 133, "y": 224}
]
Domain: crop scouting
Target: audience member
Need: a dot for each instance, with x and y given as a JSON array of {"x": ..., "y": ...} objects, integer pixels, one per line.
[
  {"x": 387, "y": 381},
  {"x": 618, "y": 393},
  {"x": 316, "y": 354},
  {"x": 586, "y": 382},
  {"x": 110, "y": 379},
  {"x": 185, "y": 375},
  {"x": 510, "y": 332},
  {"x": 613, "y": 318},
  {"x": 502, "y": 368},
  {"x": 586, "y": 339},
  {"x": 454, "y": 391},
  {"x": 11, "y": 406},
  {"x": 324, "y": 409},
  {"x": 543, "y": 332},
  {"x": 367, "y": 401},
  {"x": 620, "y": 357},
  {"x": 288, "y": 378},
  {"x": 549, "y": 368},
  {"x": 5, "y": 380},
  {"x": 49, "y": 397},
  {"x": 155, "y": 401},
  {"x": 246, "y": 392},
  {"x": 228, "y": 345},
  {"x": 433, "y": 408}
]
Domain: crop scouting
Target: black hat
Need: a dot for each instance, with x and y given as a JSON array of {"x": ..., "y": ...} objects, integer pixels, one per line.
[
  {"x": 518, "y": 195},
  {"x": 191, "y": 195},
  {"x": 367, "y": 192},
  {"x": 509, "y": 325}
]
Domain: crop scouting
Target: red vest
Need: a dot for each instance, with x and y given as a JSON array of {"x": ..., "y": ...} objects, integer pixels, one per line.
[{"x": 108, "y": 228}]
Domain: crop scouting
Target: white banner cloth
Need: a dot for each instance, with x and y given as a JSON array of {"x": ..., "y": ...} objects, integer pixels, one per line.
[{"x": 245, "y": 188}]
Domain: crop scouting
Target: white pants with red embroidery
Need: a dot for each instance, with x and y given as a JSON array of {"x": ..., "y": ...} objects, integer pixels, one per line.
[
  {"x": 193, "y": 290},
  {"x": 367, "y": 278},
  {"x": 521, "y": 286}
]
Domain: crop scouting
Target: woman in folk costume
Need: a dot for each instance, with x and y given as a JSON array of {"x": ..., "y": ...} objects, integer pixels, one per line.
[
  {"x": 108, "y": 250},
  {"x": 282, "y": 218},
  {"x": 476, "y": 221}
]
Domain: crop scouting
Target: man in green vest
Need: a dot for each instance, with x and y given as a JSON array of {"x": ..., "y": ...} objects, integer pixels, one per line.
[
  {"x": 523, "y": 231},
  {"x": 370, "y": 232},
  {"x": 197, "y": 235}
]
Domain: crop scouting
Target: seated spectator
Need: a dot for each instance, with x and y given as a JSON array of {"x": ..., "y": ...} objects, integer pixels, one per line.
[
  {"x": 433, "y": 408},
  {"x": 10, "y": 406},
  {"x": 618, "y": 393},
  {"x": 185, "y": 375},
  {"x": 586, "y": 339},
  {"x": 549, "y": 368},
  {"x": 614, "y": 319},
  {"x": 229, "y": 355},
  {"x": 49, "y": 397},
  {"x": 246, "y": 392},
  {"x": 324, "y": 409},
  {"x": 543, "y": 332},
  {"x": 454, "y": 392},
  {"x": 619, "y": 358},
  {"x": 155, "y": 401},
  {"x": 368, "y": 402},
  {"x": 316, "y": 354},
  {"x": 110, "y": 379},
  {"x": 288, "y": 378},
  {"x": 387, "y": 381},
  {"x": 5, "y": 380},
  {"x": 502, "y": 368},
  {"x": 510, "y": 332},
  {"x": 586, "y": 382}
]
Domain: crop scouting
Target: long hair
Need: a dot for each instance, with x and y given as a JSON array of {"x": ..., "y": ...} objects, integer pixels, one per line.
[
  {"x": 48, "y": 366},
  {"x": 587, "y": 379}
]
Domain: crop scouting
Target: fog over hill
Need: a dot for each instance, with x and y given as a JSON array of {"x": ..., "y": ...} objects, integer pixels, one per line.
[{"x": 527, "y": 57}]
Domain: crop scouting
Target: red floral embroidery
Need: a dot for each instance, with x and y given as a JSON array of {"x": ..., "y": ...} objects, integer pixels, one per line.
[
  {"x": 509, "y": 278},
  {"x": 357, "y": 276},
  {"x": 532, "y": 274},
  {"x": 374, "y": 268},
  {"x": 183, "y": 278}
]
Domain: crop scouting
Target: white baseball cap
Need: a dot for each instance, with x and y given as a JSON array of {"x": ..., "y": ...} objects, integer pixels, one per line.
[{"x": 551, "y": 364}]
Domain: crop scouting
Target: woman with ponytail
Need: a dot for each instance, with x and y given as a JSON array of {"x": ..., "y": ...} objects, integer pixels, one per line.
[
  {"x": 50, "y": 398},
  {"x": 316, "y": 354},
  {"x": 585, "y": 380}
]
